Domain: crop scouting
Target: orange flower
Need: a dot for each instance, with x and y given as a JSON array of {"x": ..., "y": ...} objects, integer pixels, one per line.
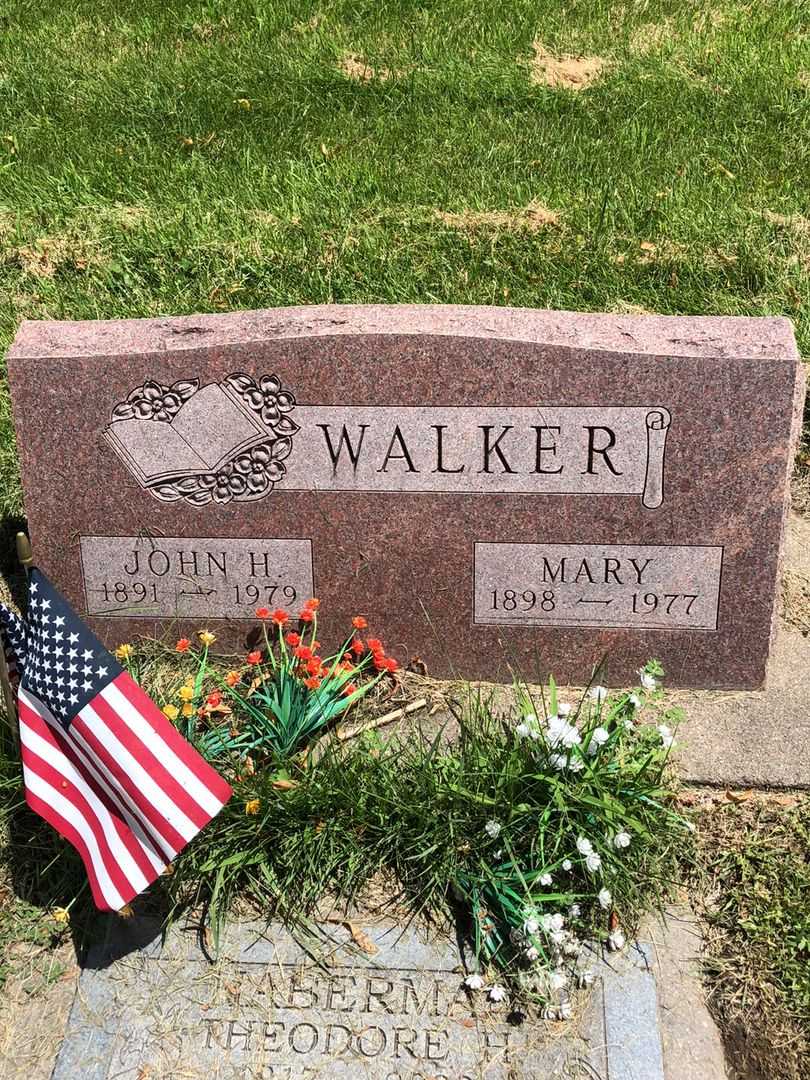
[
  {"x": 390, "y": 664},
  {"x": 358, "y": 646},
  {"x": 232, "y": 678},
  {"x": 312, "y": 683},
  {"x": 280, "y": 616},
  {"x": 303, "y": 652},
  {"x": 292, "y": 638},
  {"x": 254, "y": 657},
  {"x": 313, "y": 603},
  {"x": 307, "y": 615},
  {"x": 348, "y": 689},
  {"x": 183, "y": 645},
  {"x": 379, "y": 661},
  {"x": 359, "y": 623},
  {"x": 262, "y": 613},
  {"x": 214, "y": 699},
  {"x": 315, "y": 665},
  {"x": 375, "y": 645},
  {"x": 346, "y": 665},
  {"x": 314, "y": 645}
]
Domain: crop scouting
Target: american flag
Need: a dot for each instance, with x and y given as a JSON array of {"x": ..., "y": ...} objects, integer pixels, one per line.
[{"x": 101, "y": 763}]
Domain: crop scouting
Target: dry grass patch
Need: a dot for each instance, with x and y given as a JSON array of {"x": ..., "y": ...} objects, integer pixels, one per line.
[
  {"x": 531, "y": 218},
  {"x": 563, "y": 72},
  {"x": 43, "y": 257},
  {"x": 358, "y": 69},
  {"x": 126, "y": 216},
  {"x": 650, "y": 37},
  {"x": 796, "y": 228},
  {"x": 796, "y": 600}
]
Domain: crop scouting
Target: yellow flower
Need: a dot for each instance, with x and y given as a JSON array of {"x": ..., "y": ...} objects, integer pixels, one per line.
[
  {"x": 187, "y": 709},
  {"x": 189, "y": 681},
  {"x": 61, "y": 915},
  {"x": 206, "y": 637},
  {"x": 186, "y": 693},
  {"x": 123, "y": 652},
  {"x": 171, "y": 711},
  {"x": 252, "y": 806}
]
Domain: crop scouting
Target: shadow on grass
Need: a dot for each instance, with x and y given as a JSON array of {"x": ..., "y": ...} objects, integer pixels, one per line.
[
  {"x": 10, "y": 569},
  {"x": 44, "y": 872}
]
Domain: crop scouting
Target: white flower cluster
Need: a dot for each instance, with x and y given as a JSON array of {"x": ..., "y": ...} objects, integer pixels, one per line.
[
  {"x": 566, "y": 960},
  {"x": 593, "y": 860},
  {"x": 648, "y": 682},
  {"x": 496, "y": 992},
  {"x": 667, "y": 738}
]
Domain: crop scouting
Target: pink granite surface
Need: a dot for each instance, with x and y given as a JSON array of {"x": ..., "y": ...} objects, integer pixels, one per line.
[{"x": 733, "y": 387}]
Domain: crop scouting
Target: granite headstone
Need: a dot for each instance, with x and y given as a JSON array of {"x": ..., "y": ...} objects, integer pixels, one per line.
[{"x": 485, "y": 485}]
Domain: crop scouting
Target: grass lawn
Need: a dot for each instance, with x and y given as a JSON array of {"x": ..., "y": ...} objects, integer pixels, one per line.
[
  {"x": 161, "y": 158},
  {"x": 754, "y": 889}
]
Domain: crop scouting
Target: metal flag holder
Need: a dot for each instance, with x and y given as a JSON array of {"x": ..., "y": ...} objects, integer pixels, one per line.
[{"x": 26, "y": 557}]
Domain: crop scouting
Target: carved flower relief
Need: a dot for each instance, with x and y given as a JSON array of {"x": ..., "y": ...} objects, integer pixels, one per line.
[
  {"x": 264, "y": 396},
  {"x": 248, "y": 476},
  {"x": 153, "y": 401}
]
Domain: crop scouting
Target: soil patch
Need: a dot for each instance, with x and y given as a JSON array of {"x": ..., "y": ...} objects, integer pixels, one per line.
[
  {"x": 563, "y": 72},
  {"x": 358, "y": 69},
  {"x": 531, "y": 218}
]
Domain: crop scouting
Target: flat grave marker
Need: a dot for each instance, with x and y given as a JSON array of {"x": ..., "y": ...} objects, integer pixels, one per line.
[
  {"x": 485, "y": 485},
  {"x": 266, "y": 1010}
]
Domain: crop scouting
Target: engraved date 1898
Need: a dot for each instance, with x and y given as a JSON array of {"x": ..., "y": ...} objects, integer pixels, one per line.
[{"x": 647, "y": 603}]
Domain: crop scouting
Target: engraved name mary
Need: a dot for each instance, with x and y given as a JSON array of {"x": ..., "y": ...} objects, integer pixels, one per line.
[{"x": 235, "y": 441}]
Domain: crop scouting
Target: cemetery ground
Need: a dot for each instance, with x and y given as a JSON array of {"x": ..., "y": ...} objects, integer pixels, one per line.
[{"x": 628, "y": 158}]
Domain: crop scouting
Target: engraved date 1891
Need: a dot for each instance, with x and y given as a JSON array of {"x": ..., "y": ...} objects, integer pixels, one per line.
[{"x": 126, "y": 594}]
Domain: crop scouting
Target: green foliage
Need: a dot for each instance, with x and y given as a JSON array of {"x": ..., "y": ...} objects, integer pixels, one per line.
[{"x": 420, "y": 807}]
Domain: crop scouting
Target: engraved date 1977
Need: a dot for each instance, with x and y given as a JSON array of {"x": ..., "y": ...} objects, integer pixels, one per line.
[{"x": 647, "y": 603}]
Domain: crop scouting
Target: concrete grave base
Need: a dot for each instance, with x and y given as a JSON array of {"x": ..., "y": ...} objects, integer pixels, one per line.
[
  {"x": 268, "y": 1009},
  {"x": 759, "y": 738}
]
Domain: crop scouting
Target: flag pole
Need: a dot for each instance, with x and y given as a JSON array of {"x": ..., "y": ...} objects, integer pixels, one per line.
[
  {"x": 24, "y": 552},
  {"x": 9, "y": 700}
]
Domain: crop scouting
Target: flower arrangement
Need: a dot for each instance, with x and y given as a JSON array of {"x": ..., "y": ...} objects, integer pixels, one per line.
[
  {"x": 282, "y": 694},
  {"x": 540, "y": 890}
]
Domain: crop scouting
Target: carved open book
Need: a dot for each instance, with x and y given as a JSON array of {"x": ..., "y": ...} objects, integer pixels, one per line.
[{"x": 209, "y": 429}]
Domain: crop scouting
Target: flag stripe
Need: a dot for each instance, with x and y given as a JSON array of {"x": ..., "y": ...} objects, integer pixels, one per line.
[
  {"x": 149, "y": 846},
  {"x": 141, "y": 791},
  {"x": 137, "y": 735},
  {"x": 46, "y": 759},
  {"x": 147, "y": 852},
  {"x": 151, "y": 776},
  {"x": 150, "y": 835},
  {"x": 66, "y": 819},
  {"x": 136, "y": 708},
  {"x": 105, "y": 859}
]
